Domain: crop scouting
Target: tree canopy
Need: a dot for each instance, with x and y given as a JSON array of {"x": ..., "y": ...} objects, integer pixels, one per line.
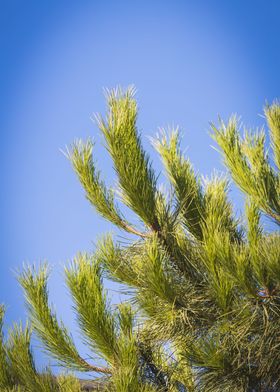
[{"x": 203, "y": 310}]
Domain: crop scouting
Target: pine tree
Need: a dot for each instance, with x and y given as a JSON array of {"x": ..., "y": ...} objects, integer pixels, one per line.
[{"x": 203, "y": 310}]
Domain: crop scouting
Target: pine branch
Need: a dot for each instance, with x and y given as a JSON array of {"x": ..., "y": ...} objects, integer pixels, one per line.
[
  {"x": 203, "y": 312},
  {"x": 136, "y": 176},
  {"x": 68, "y": 383},
  {"x": 249, "y": 166},
  {"x": 118, "y": 263},
  {"x": 218, "y": 213},
  {"x": 80, "y": 155},
  {"x": 5, "y": 377},
  {"x": 254, "y": 229},
  {"x": 55, "y": 337},
  {"x": 182, "y": 177},
  {"x": 126, "y": 375},
  {"x": 97, "y": 324},
  {"x": 154, "y": 273},
  {"x": 22, "y": 362},
  {"x": 272, "y": 113}
]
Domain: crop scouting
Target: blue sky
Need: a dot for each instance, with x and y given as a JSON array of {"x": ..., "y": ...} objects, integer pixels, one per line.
[{"x": 189, "y": 60}]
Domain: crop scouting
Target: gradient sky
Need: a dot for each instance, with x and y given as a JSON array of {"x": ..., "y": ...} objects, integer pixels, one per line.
[{"x": 189, "y": 60}]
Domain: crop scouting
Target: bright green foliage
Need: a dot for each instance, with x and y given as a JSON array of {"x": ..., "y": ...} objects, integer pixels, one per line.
[
  {"x": 5, "y": 376},
  {"x": 136, "y": 177},
  {"x": 248, "y": 161},
  {"x": 272, "y": 114},
  {"x": 188, "y": 190},
  {"x": 68, "y": 383},
  {"x": 54, "y": 336},
  {"x": 95, "y": 319},
  {"x": 18, "y": 371},
  {"x": 97, "y": 194},
  {"x": 22, "y": 363},
  {"x": 203, "y": 310}
]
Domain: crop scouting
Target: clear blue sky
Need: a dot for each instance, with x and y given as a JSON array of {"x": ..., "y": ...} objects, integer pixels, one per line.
[{"x": 189, "y": 60}]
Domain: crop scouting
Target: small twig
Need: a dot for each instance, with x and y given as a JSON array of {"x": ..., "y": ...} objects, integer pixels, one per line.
[
  {"x": 94, "y": 368},
  {"x": 132, "y": 230}
]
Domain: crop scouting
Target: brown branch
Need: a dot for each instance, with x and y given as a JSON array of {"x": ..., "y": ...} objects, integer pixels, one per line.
[
  {"x": 94, "y": 368},
  {"x": 273, "y": 215},
  {"x": 132, "y": 230}
]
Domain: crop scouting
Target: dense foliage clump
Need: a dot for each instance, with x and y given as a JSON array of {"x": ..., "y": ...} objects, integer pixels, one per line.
[{"x": 203, "y": 310}]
